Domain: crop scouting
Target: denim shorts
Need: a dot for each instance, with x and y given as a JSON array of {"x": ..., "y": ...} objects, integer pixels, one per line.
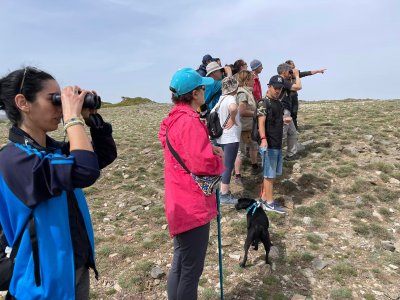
[{"x": 272, "y": 162}]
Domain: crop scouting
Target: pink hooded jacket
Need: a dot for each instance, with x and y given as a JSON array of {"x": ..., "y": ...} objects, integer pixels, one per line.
[{"x": 186, "y": 205}]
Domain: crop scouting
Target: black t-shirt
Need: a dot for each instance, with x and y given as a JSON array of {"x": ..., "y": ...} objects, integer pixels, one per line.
[
  {"x": 285, "y": 96},
  {"x": 273, "y": 123}
]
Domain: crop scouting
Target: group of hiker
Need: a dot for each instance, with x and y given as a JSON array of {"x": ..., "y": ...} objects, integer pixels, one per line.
[
  {"x": 245, "y": 94},
  {"x": 41, "y": 179},
  {"x": 195, "y": 155}
]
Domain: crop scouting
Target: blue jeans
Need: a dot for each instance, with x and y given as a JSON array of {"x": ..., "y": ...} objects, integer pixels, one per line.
[
  {"x": 230, "y": 153},
  {"x": 272, "y": 162}
]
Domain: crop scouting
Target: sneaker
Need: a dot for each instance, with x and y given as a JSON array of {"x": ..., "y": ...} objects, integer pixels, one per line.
[
  {"x": 291, "y": 158},
  {"x": 274, "y": 206},
  {"x": 238, "y": 179},
  {"x": 227, "y": 199}
]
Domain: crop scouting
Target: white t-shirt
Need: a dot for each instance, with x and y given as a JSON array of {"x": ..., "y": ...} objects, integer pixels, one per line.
[{"x": 231, "y": 135}]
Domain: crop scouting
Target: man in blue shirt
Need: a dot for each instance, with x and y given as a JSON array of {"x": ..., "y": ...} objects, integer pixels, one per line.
[{"x": 213, "y": 91}]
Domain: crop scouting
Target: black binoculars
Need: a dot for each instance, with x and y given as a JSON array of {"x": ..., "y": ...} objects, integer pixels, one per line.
[{"x": 90, "y": 101}]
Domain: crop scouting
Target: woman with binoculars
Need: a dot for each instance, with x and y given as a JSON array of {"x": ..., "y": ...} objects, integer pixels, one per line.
[{"x": 44, "y": 214}]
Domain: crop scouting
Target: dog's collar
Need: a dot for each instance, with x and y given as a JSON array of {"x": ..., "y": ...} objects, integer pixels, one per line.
[{"x": 252, "y": 208}]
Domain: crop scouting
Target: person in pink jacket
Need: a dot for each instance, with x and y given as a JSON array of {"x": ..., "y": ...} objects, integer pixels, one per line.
[{"x": 188, "y": 210}]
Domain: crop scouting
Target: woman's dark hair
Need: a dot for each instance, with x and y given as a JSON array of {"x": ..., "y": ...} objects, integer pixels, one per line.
[
  {"x": 28, "y": 82},
  {"x": 185, "y": 98},
  {"x": 237, "y": 65}
]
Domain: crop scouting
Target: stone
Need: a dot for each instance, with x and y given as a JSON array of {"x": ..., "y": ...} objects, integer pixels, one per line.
[
  {"x": 393, "y": 267},
  {"x": 106, "y": 220},
  {"x": 388, "y": 245},
  {"x": 126, "y": 176},
  {"x": 307, "y": 272},
  {"x": 394, "y": 181},
  {"x": 369, "y": 137},
  {"x": 234, "y": 256},
  {"x": 226, "y": 242},
  {"x": 146, "y": 202},
  {"x": 397, "y": 246},
  {"x": 319, "y": 264},
  {"x": 135, "y": 208},
  {"x": 298, "y": 228},
  {"x": 309, "y": 142},
  {"x": 298, "y": 297},
  {"x": 296, "y": 168},
  {"x": 273, "y": 266},
  {"x": 307, "y": 220},
  {"x": 156, "y": 272},
  {"x": 350, "y": 151},
  {"x": 113, "y": 255},
  {"x": 334, "y": 220},
  {"x": 337, "y": 148},
  {"x": 359, "y": 201},
  {"x": 274, "y": 252},
  {"x": 164, "y": 227},
  {"x": 378, "y": 215},
  {"x": 117, "y": 287},
  {"x": 128, "y": 238}
]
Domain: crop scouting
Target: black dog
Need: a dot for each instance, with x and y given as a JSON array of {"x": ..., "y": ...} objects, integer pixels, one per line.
[{"x": 257, "y": 227}]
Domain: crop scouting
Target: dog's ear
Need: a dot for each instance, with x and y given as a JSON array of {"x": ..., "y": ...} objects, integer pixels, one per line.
[
  {"x": 240, "y": 204},
  {"x": 244, "y": 203}
]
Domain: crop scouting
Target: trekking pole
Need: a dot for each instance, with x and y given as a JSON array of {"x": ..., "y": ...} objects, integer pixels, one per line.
[{"x": 220, "y": 247}]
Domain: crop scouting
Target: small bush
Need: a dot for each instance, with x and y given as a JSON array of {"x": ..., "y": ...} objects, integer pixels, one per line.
[
  {"x": 341, "y": 293},
  {"x": 386, "y": 195},
  {"x": 343, "y": 271},
  {"x": 314, "y": 238}
]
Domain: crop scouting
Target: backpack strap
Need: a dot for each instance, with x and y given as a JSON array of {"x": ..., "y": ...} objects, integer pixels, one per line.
[
  {"x": 35, "y": 247},
  {"x": 176, "y": 155}
]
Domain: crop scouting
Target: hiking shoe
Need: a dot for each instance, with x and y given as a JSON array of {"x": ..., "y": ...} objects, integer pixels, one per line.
[
  {"x": 291, "y": 158},
  {"x": 238, "y": 180},
  {"x": 274, "y": 206},
  {"x": 227, "y": 199}
]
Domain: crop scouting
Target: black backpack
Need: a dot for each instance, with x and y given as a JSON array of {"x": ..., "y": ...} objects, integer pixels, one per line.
[
  {"x": 255, "y": 134},
  {"x": 7, "y": 263},
  {"x": 214, "y": 127}
]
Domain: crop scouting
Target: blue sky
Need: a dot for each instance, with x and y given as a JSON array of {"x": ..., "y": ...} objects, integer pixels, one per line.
[{"x": 132, "y": 48}]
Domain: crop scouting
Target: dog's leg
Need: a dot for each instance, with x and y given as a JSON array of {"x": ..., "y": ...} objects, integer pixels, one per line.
[
  {"x": 267, "y": 245},
  {"x": 246, "y": 249}
]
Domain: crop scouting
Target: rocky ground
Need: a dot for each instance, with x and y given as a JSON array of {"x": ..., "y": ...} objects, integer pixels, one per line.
[{"x": 340, "y": 239}]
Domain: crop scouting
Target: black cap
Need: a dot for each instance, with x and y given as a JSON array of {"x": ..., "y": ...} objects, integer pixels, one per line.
[{"x": 276, "y": 81}]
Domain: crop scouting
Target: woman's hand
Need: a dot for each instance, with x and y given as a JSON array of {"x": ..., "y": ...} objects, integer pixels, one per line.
[
  {"x": 218, "y": 151},
  {"x": 230, "y": 123},
  {"x": 72, "y": 101},
  {"x": 264, "y": 145}
]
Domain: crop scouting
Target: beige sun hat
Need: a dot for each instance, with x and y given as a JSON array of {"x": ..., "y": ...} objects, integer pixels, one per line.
[{"x": 212, "y": 66}]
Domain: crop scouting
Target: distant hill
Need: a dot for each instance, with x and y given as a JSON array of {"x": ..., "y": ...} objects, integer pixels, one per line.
[{"x": 127, "y": 101}]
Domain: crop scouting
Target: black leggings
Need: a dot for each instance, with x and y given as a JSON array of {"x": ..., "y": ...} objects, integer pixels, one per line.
[{"x": 190, "y": 249}]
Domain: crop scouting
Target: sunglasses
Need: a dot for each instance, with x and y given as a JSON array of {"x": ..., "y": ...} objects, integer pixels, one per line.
[
  {"x": 23, "y": 80},
  {"x": 24, "y": 77}
]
